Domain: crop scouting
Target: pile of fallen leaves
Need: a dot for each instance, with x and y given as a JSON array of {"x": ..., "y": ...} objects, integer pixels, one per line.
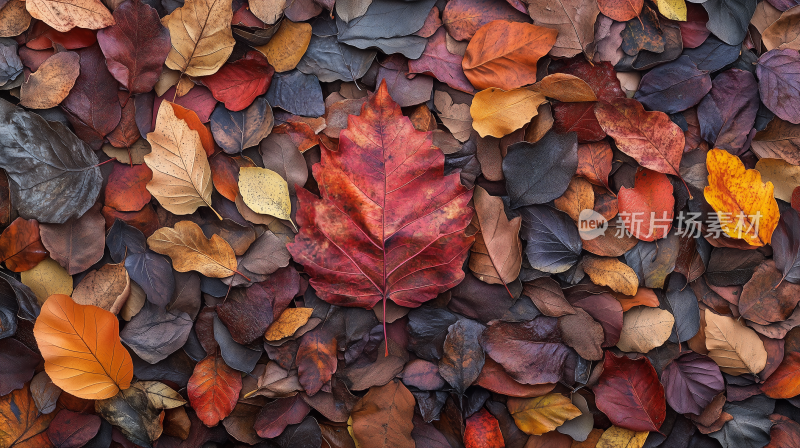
[{"x": 397, "y": 224}]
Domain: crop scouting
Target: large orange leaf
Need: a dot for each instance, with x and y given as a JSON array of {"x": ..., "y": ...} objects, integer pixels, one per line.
[
  {"x": 81, "y": 348},
  {"x": 213, "y": 389},
  {"x": 746, "y": 206},
  {"x": 784, "y": 382},
  {"x": 390, "y": 224},
  {"x": 504, "y": 54},
  {"x": 21, "y": 423}
]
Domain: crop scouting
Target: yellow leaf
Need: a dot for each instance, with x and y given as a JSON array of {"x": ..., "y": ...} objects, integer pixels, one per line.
[
  {"x": 189, "y": 250},
  {"x": 64, "y": 15},
  {"x": 747, "y": 205},
  {"x": 644, "y": 329},
  {"x": 784, "y": 176},
  {"x": 47, "y": 278},
  {"x": 672, "y": 9},
  {"x": 265, "y": 192},
  {"x": 736, "y": 348},
  {"x": 498, "y": 113},
  {"x": 181, "y": 174},
  {"x": 540, "y": 415},
  {"x": 290, "y": 320},
  {"x": 616, "y": 437},
  {"x": 81, "y": 348},
  {"x": 201, "y": 36},
  {"x": 611, "y": 272},
  {"x": 285, "y": 49}
]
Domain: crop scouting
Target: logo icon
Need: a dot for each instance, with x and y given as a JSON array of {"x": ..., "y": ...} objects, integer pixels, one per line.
[{"x": 591, "y": 224}]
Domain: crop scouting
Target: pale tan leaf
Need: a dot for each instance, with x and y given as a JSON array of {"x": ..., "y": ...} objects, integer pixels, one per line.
[
  {"x": 64, "y": 15},
  {"x": 644, "y": 329},
  {"x": 497, "y": 252},
  {"x": 190, "y": 250},
  {"x": 455, "y": 117},
  {"x": 736, "y": 348},
  {"x": 50, "y": 84},
  {"x": 201, "y": 36},
  {"x": 612, "y": 273}
]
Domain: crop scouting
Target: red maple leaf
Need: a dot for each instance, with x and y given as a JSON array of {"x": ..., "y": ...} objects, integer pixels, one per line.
[{"x": 389, "y": 224}]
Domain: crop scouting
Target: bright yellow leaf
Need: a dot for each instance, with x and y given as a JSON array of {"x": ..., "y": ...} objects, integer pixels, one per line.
[
  {"x": 540, "y": 415},
  {"x": 672, "y": 9},
  {"x": 616, "y": 437},
  {"x": 265, "y": 192},
  {"x": 498, "y": 113}
]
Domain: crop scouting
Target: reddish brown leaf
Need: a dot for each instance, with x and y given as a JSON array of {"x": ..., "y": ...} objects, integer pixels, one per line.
[
  {"x": 237, "y": 84},
  {"x": 43, "y": 37},
  {"x": 629, "y": 393},
  {"x": 548, "y": 297},
  {"x": 213, "y": 389},
  {"x": 784, "y": 382},
  {"x": 440, "y": 63},
  {"x": 621, "y": 10},
  {"x": 92, "y": 105},
  {"x": 372, "y": 259},
  {"x": 199, "y": 100},
  {"x": 126, "y": 190},
  {"x": 647, "y": 208},
  {"x": 483, "y": 431},
  {"x": 72, "y": 430},
  {"x": 463, "y": 18},
  {"x": 23, "y": 425},
  {"x": 594, "y": 162},
  {"x": 225, "y": 173},
  {"x": 580, "y": 117},
  {"x": 20, "y": 245},
  {"x": 273, "y": 418},
  {"x": 126, "y": 134},
  {"x": 316, "y": 359},
  {"x": 78, "y": 243},
  {"x": 136, "y": 46}
]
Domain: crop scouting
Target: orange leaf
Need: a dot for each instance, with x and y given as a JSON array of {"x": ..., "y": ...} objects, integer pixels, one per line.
[
  {"x": 81, "y": 348},
  {"x": 504, "y": 54},
  {"x": 20, "y": 245},
  {"x": 21, "y": 422},
  {"x": 784, "y": 382},
  {"x": 194, "y": 123},
  {"x": 621, "y": 10},
  {"x": 644, "y": 297},
  {"x": 739, "y": 194},
  {"x": 483, "y": 431},
  {"x": 213, "y": 389}
]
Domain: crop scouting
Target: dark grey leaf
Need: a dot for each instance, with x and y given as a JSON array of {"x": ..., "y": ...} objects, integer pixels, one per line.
[
  {"x": 554, "y": 243},
  {"x": 155, "y": 333},
  {"x": 466, "y": 161},
  {"x": 303, "y": 435},
  {"x": 713, "y": 54},
  {"x": 52, "y": 173},
  {"x": 729, "y": 267},
  {"x": 388, "y": 25},
  {"x": 728, "y": 19},
  {"x": 235, "y": 131},
  {"x": 297, "y": 93},
  {"x": 427, "y": 329},
  {"x": 750, "y": 425},
  {"x": 240, "y": 357},
  {"x": 673, "y": 87},
  {"x": 124, "y": 239},
  {"x": 528, "y": 183},
  {"x": 130, "y": 411},
  {"x": 10, "y": 64},
  {"x": 682, "y": 303},
  {"x": 463, "y": 355},
  {"x": 653, "y": 261},
  {"x": 153, "y": 273},
  {"x": 26, "y": 300},
  {"x": 330, "y": 60}
]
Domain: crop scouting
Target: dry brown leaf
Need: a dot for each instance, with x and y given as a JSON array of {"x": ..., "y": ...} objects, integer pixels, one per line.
[
  {"x": 736, "y": 348},
  {"x": 565, "y": 88},
  {"x": 382, "y": 418},
  {"x": 108, "y": 288},
  {"x": 497, "y": 251},
  {"x": 14, "y": 18},
  {"x": 644, "y": 329},
  {"x": 135, "y": 302},
  {"x": 268, "y": 11},
  {"x": 190, "y": 250},
  {"x": 50, "y": 84},
  {"x": 784, "y": 33},
  {"x": 201, "y": 36},
  {"x": 541, "y": 123},
  {"x": 612, "y": 273},
  {"x": 181, "y": 174},
  {"x": 133, "y": 155},
  {"x": 285, "y": 49},
  {"x": 455, "y": 116},
  {"x": 498, "y": 113},
  {"x": 578, "y": 197},
  {"x": 288, "y": 322},
  {"x": 574, "y": 20},
  {"x": 784, "y": 176},
  {"x": 548, "y": 297},
  {"x": 64, "y": 15}
]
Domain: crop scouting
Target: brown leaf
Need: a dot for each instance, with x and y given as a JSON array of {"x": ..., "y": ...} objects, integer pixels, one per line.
[
  {"x": 289, "y": 321},
  {"x": 190, "y": 250},
  {"x": 455, "y": 116},
  {"x": 52, "y": 81},
  {"x": 497, "y": 252},
  {"x": 548, "y": 297},
  {"x": 578, "y": 197},
  {"x": 201, "y": 36},
  {"x": 78, "y": 243},
  {"x": 65, "y": 15},
  {"x": 783, "y": 33},
  {"x": 734, "y": 347},
  {"x": 498, "y": 113},
  {"x": 565, "y": 88},
  {"x": 583, "y": 334},
  {"x": 382, "y": 418},
  {"x": 503, "y": 54},
  {"x": 644, "y": 329},
  {"x": 316, "y": 359},
  {"x": 20, "y": 245},
  {"x": 107, "y": 288},
  {"x": 612, "y": 273},
  {"x": 574, "y": 21}
]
